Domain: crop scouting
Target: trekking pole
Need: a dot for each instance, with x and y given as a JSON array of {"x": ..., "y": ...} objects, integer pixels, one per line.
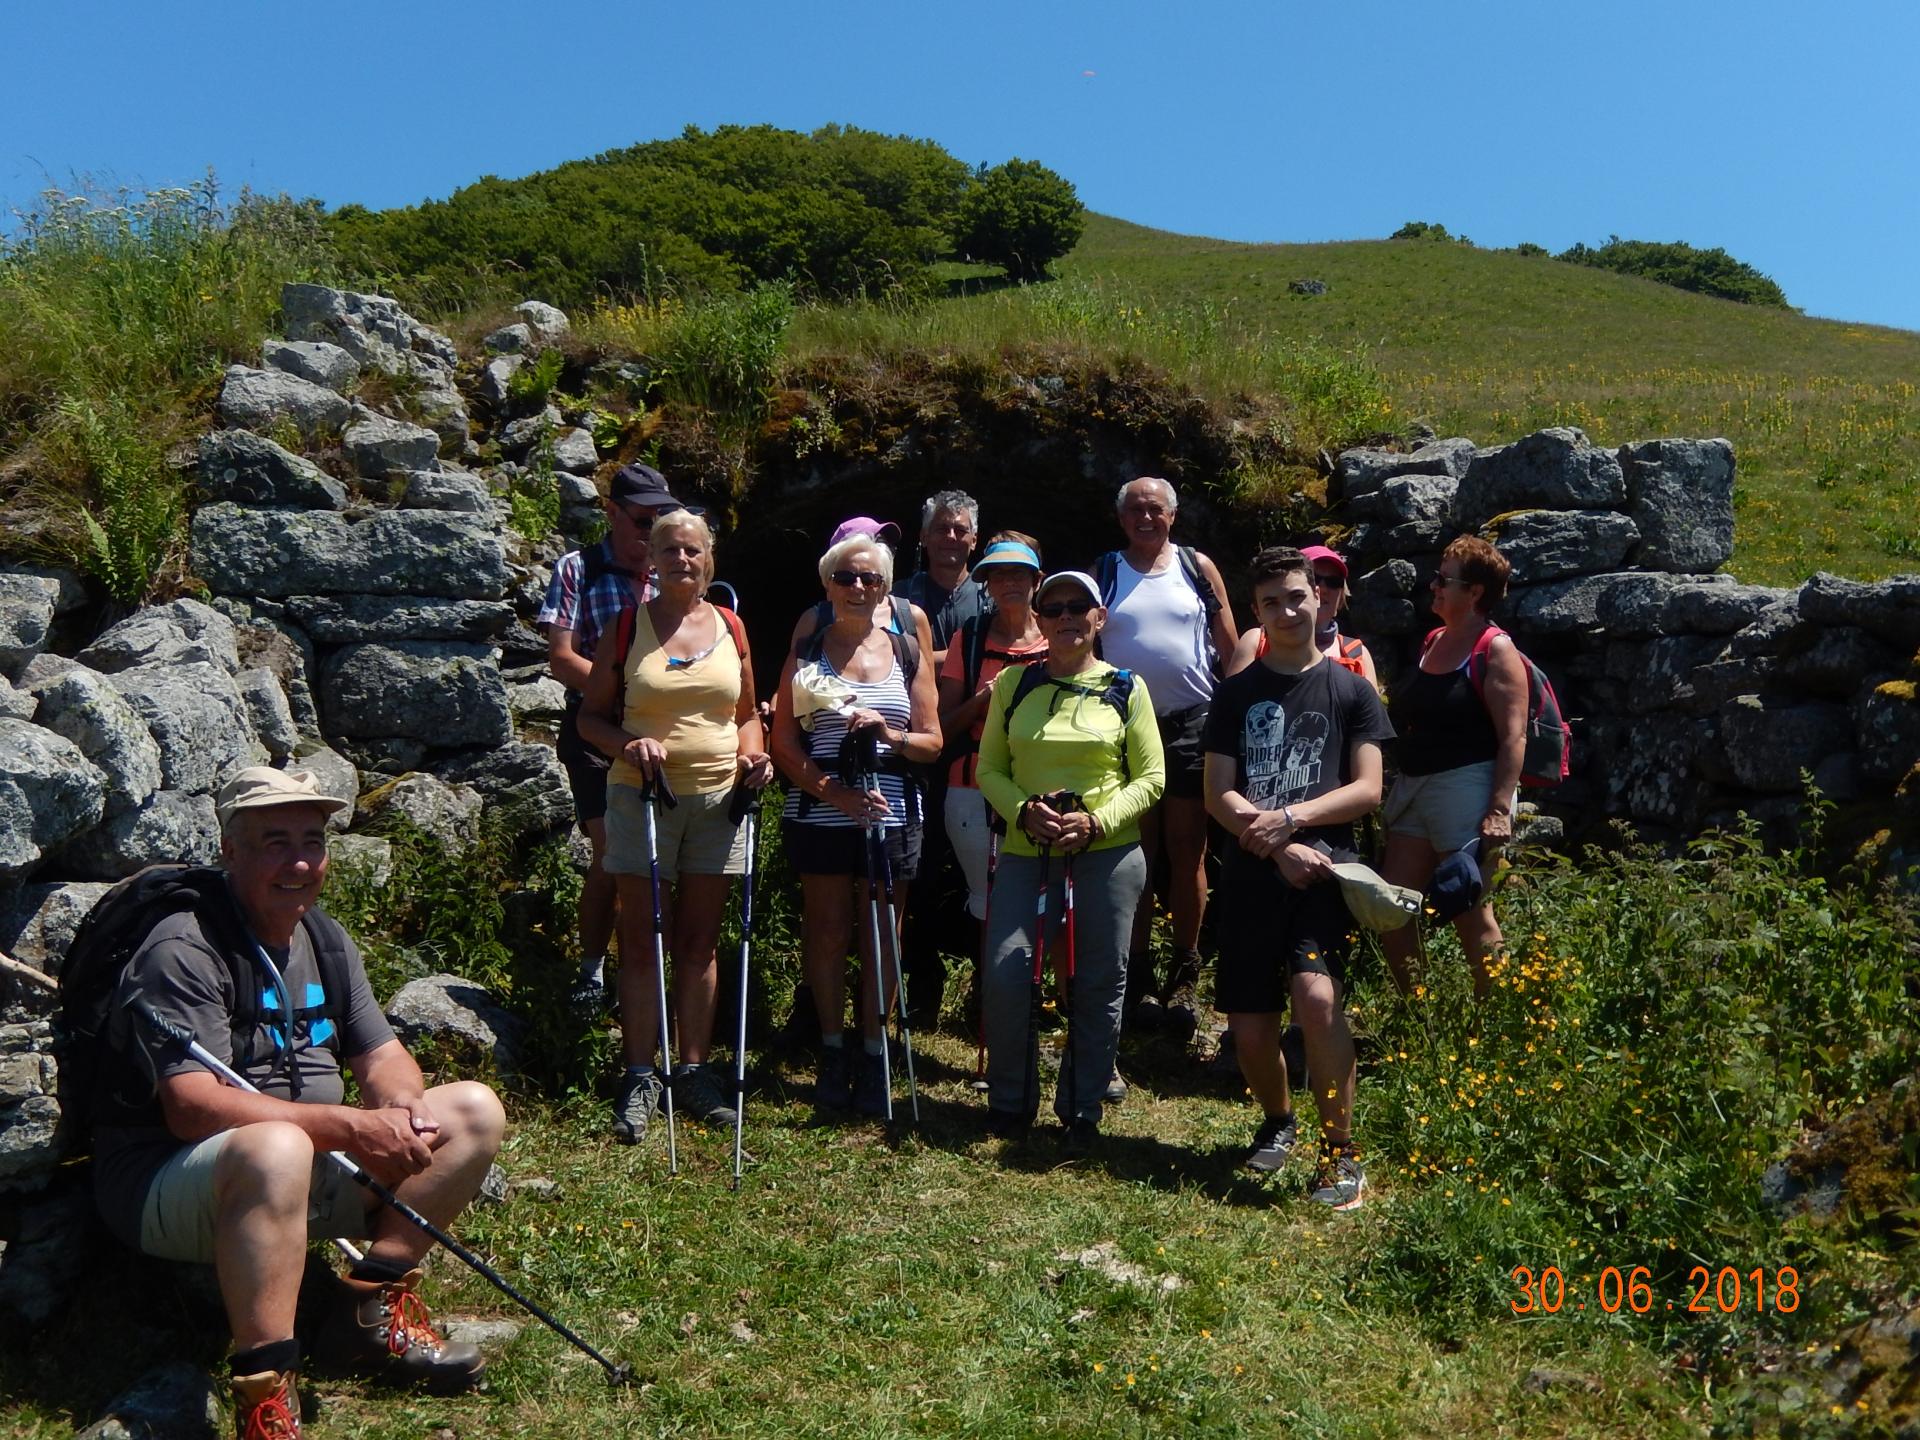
[
  {"x": 1069, "y": 1056},
  {"x": 859, "y": 762},
  {"x": 165, "y": 1030},
  {"x": 1037, "y": 1000},
  {"x": 656, "y": 793},
  {"x": 899, "y": 972},
  {"x": 743, "y": 809}
]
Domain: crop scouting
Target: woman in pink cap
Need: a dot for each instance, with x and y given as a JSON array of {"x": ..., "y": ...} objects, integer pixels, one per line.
[{"x": 1330, "y": 584}]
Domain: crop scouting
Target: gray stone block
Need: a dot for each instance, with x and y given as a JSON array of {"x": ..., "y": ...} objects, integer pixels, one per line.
[
  {"x": 1556, "y": 544},
  {"x": 261, "y": 399},
  {"x": 1769, "y": 742},
  {"x": 249, "y": 469},
  {"x": 1680, "y": 494},
  {"x": 49, "y": 792},
  {"x": 355, "y": 619},
  {"x": 177, "y": 633},
  {"x": 169, "y": 828},
  {"x": 380, "y": 446},
  {"x": 1554, "y": 469},
  {"x": 315, "y": 360},
  {"x": 1890, "y": 608},
  {"x": 441, "y": 693},
  {"x": 26, "y": 615},
  {"x": 197, "y": 719},
  {"x": 88, "y": 709},
  {"x": 392, "y": 552}
]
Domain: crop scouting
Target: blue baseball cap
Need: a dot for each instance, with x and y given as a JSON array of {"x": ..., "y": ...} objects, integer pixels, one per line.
[{"x": 1457, "y": 884}]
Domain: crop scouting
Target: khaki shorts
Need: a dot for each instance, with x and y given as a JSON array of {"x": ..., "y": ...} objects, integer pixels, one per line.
[
  {"x": 694, "y": 835},
  {"x": 1444, "y": 809},
  {"x": 177, "y": 1221}
]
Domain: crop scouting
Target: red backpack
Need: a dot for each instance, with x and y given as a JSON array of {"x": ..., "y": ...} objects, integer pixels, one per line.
[{"x": 1548, "y": 755}]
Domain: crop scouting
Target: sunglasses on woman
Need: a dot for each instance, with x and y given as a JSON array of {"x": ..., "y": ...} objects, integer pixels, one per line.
[
  {"x": 847, "y": 579},
  {"x": 1330, "y": 582},
  {"x": 1054, "y": 609}
]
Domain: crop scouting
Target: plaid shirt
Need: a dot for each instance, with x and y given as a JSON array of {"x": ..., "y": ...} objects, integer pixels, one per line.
[{"x": 588, "y": 614}]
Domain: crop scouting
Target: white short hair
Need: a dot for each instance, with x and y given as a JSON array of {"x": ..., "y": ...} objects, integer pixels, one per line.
[
  {"x": 685, "y": 520},
  {"x": 1173, "y": 496},
  {"x": 836, "y": 557}
]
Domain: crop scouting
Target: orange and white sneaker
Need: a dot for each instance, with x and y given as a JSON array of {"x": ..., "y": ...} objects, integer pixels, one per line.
[{"x": 1341, "y": 1183}]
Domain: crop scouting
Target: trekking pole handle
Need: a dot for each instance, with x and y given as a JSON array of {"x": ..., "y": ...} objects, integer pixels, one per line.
[
  {"x": 659, "y": 790},
  {"x": 743, "y": 799}
]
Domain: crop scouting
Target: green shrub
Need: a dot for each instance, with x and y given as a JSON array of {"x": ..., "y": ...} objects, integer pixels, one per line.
[
  {"x": 1421, "y": 230},
  {"x": 530, "y": 385},
  {"x": 535, "y": 496},
  {"x": 1706, "y": 272},
  {"x": 128, "y": 524},
  {"x": 1021, "y": 216},
  {"x": 724, "y": 355}
]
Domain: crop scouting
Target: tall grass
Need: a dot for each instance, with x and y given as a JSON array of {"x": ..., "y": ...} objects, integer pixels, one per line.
[{"x": 116, "y": 317}]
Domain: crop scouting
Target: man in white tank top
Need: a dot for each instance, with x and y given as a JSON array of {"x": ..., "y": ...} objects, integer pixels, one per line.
[{"x": 1169, "y": 622}]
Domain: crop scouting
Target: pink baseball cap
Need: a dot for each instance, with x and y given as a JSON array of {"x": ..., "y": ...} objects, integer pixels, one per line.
[
  {"x": 884, "y": 530},
  {"x": 1321, "y": 552}
]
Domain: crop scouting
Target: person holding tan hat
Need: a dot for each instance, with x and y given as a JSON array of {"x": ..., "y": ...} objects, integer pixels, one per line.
[{"x": 189, "y": 1168}]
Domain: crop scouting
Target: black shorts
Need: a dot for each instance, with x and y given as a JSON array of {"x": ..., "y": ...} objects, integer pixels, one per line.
[
  {"x": 842, "y": 850},
  {"x": 586, "y": 767},
  {"x": 1269, "y": 932},
  {"x": 1186, "y": 751}
]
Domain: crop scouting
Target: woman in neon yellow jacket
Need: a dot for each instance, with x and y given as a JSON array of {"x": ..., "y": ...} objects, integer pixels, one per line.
[{"x": 1070, "y": 759}]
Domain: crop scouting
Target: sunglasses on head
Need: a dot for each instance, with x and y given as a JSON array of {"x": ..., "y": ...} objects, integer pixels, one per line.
[
  {"x": 850, "y": 578},
  {"x": 1055, "y": 609}
]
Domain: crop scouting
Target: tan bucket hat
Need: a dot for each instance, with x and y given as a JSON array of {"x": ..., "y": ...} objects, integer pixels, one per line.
[
  {"x": 1374, "y": 902},
  {"x": 259, "y": 786}
]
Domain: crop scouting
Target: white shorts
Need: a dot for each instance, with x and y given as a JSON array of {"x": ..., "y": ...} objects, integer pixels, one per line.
[
  {"x": 177, "y": 1220},
  {"x": 694, "y": 835},
  {"x": 1444, "y": 809}
]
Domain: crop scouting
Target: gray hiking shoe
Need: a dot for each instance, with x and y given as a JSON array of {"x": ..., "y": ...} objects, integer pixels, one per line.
[
  {"x": 1116, "y": 1090},
  {"x": 635, "y": 1106},
  {"x": 696, "y": 1089},
  {"x": 1273, "y": 1144},
  {"x": 1342, "y": 1182}
]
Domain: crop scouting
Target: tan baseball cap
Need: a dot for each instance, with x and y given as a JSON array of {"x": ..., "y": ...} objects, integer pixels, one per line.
[
  {"x": 259, "y": 786},
  {"x": 1375, "y": 902}
]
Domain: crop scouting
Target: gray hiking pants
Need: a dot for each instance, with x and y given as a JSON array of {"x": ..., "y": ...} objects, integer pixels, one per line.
[{"x": 1106, "y": 887}]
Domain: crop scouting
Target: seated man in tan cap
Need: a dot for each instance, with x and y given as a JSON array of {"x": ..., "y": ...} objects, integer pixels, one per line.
[{"x": 190, "y": 1168}]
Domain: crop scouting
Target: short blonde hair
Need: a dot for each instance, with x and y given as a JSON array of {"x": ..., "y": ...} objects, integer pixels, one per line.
[
  {"x": 683, "y": 521},
  {"x": 836, "y": 557}
]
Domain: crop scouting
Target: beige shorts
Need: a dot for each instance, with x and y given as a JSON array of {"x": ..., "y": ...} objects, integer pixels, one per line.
[
  {"x": 1444, "y": 809},
  {"x": 694, "y": 835},
  {"x": 177, "y": 1223}
]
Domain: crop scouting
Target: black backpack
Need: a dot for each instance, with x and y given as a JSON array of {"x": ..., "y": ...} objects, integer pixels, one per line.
[
  {"x": 1117, "y": 692},
  {"x": 101, "y": 1084},
  {"x": 906, "y": 654},
  {"x": 1106, "y": 574}
]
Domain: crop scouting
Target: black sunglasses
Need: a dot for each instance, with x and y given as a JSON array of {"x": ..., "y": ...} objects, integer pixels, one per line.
[
  {"x": 850, "y": 578},
  {"x": 1330, "y": 582},
  {"x": 1054, "y": 609}
]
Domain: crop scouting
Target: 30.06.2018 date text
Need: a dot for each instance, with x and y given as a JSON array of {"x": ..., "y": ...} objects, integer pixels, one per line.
[{"x": 1711, "y": 1292}]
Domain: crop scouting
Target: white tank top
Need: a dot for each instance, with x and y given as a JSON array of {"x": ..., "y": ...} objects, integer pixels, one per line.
[{"x": 1157, "y": 628}]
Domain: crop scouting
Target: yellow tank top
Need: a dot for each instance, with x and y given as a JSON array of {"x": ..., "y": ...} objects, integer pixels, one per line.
[{"x": 687, "y": 707}]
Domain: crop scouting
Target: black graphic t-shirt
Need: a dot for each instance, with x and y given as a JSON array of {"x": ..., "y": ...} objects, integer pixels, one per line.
[{"x": 1291, "y": 738}]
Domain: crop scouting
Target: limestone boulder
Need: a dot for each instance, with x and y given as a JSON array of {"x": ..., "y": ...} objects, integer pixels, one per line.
[
  {"x": 1558, "y": 607},
  {"x": 335, "y": 775},
  {"x": 376, "y": 330},
  {"x": 1414, "y": 537},
  {"x": 548, "y": 323},
  {"x": 177, "y": 633},
  {"x": 451, "y": 1017},
  {"x": 16, "y": 704},
  {"x": 1889, "y": 608},
  {"x": 380, "y": 446},
  {"x": 1766, "y": 633},
  {"x": 26, "y": 615},
  {"x": 170, "y": 827},
  {"x": 371, "y": 855},
  {"x": 85, "y": 707},
  {"x": 250, "y": 469},
  {"x": 355, "y": 619},
  {"x": 71, "y": 586},
  {"x": 519, "y": 436},
  {"x": 262, "y": 399},
  {"x": 391, "y": 552},
  {"x": 542, "y": 699},
  {"x": 1658, "y": 673},
  {"x": 510, "y": 340},
  {"x": 38, "y": 924},
  {"x": 1362, "y": 472},
  {"x": 447, "y": 813},
  {"x": 49, "y": 1245},
  {"x": 315, "y": 360},
  {"x": 1680, "y": 495},
  {"x": 1718, "y": 609},
  {"x": 496, "y": 376},
  {"x": 49, "y": 792},
  {"x": 1556, "y": 544},
  {"x": 1395, "y": 579},
  {"x": 197, "y": 719},
  {"x": 1835, "y": 661},
  {"x": 1889, "y": 728},
  {"x": 524, "y": 783},
  {"x": 1636, "y": 603},
  {"x": 440, "y": 692},
  {"x": 447, "y": 490},
  {"x": 1554, "y": 469},
  {"x": 573, "y": 452},
  {"x": 1768, "y": 742},
  {"x": 1417, "y": 498},
  {"x": 267, "y": 708},
  {"x": 178, "y": 1401}
]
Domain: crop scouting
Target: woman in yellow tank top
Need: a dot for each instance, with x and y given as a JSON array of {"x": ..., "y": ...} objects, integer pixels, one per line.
[{"x": 676, "y": 701}]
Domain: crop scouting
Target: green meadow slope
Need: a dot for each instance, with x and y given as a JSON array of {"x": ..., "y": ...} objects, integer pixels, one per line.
[{"x": 1824, "y": 415}]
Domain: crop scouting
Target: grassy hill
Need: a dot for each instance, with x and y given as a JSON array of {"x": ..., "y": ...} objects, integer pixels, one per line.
[{"x": 1824, "y": 416}]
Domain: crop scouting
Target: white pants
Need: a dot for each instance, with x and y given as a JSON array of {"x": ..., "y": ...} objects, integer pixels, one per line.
[{"x": 967, "y": 815}]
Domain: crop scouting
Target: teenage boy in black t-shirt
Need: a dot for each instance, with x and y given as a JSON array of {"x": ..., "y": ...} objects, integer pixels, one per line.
[{"x": 1292, "y": 759}]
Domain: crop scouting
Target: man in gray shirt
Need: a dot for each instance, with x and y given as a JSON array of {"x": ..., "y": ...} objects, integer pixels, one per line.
[{"x": 210, "y": 1173}]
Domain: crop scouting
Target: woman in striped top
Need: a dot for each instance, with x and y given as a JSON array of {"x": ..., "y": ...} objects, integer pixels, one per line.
[{"x": 889, "y": 692}]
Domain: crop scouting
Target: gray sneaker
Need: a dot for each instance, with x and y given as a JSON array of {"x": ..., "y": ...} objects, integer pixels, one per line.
[
  {"x": 1116, "y": 1090},
  {"x": 696, "y": 1089},
  {"x": 1273, "y": 1144},
  {"x": 635, "y": 1106},
  {"x": 1342, "y": 1182}
]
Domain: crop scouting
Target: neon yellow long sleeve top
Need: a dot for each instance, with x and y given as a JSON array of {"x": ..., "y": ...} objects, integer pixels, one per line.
[{"x": 1065, "y": 736}]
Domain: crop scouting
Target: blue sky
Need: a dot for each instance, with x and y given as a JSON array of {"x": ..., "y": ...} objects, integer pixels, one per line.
[{"x": 1774, "y": 130}]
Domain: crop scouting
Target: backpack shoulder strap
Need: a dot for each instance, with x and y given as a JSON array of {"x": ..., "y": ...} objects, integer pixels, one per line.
[
  {"x": 1032, "y": 677},
  {"x": 1190, "y": 567},
  {"x": 734, "y": 628},
  {"x": 1350, "y": 648},
  {"x": 1106, "y": 574},
  {"x": 906, "y": 650},
  {"x": 1477, "y": 659},
  {"x": 973, "y": 648}
]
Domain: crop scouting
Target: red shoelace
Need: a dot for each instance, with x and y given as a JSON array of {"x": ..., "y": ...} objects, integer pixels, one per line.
[
  {"x": 271, "y": 1419},
  {"x": 409, "y": 1322}
]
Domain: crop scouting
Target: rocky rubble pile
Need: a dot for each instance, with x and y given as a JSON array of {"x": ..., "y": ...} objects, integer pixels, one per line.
[{"x": 1693, "y": 698}]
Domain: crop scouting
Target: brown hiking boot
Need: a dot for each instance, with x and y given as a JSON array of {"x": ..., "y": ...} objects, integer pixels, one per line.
[
  {"x": 266, "y": 1406},
  {"x": 1141, "y": 1011},
  {"x": 385, "y": 1328},
  {"x": 1183, "y": 1005}
]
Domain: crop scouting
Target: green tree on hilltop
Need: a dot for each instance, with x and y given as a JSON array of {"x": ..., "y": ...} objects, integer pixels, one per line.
[
  {"x": 1683, "y": 266},
  {"x": 1019, "y": 215}
]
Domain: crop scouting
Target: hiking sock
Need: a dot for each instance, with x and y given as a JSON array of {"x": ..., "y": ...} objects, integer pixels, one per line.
[
  {"x": 835, "y": 1041},
  {"x": 373, "y": 1268},
  {"x": 876, "y": 1047},
  {"x": 278, "y": 1356}
]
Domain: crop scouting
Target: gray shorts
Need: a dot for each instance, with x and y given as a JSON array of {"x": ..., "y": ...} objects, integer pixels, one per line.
[
  {"x": 177, "y": 1221},
  {"x": 1444, "y": 809},
  {"x": 694, "y": 835}
]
